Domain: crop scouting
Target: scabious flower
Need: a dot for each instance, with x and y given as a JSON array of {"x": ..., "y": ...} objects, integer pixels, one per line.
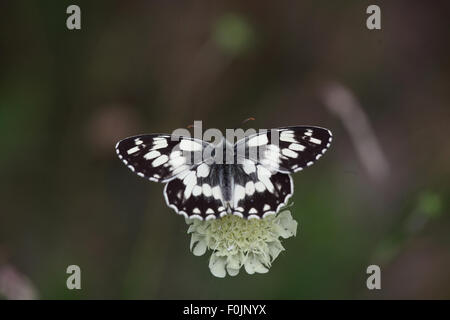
[{"x": 236, "y": 242}]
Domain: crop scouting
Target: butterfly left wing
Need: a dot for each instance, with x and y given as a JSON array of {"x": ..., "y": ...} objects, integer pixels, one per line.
[
  {"x": 160, "y": 157},
  {"x": 197, "y": 193},
  {"x": 192, "y": 187}
]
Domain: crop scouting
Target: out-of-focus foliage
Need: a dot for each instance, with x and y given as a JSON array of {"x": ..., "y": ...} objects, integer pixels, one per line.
[
  {"x": 232, "y": 34},
  {"x": 379, "y": 195}
]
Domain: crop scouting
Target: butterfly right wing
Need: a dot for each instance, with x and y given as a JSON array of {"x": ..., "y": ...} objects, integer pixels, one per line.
[
  {"x": 258, "y": 192},
  {"x": 264, "y": 184},
  {"x": 287, "y": 149}
]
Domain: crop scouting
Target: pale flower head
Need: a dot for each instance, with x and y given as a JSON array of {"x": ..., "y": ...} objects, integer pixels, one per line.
[{"x": 237, "y": 242}]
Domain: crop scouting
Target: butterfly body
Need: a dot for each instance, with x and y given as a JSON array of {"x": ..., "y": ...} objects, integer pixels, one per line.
[{"x": 251, "y": 178}]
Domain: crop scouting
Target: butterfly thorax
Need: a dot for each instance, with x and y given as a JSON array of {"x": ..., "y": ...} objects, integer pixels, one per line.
[{"x": 223, "y": 169}]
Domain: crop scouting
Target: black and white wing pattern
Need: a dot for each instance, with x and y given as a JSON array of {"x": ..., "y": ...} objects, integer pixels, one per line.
[
  {"x": 160, "y": 157},
  {"x": 197, "y": 193},
  {"x": 259, "y": 192},
  {"x": 180, "y": 162},
  {"x": 201, "y": 187},
  {"x": 288, "y": 149},
  {"x": 267, "y": 159}
]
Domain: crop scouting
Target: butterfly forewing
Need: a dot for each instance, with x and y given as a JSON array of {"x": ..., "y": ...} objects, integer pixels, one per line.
[
  {"x": 160, "y": 157},
  {"x": 288, "y": 149}
]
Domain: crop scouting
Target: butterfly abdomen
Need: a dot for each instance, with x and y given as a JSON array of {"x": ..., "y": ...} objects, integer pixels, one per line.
[{"x": 226, "y": 182}]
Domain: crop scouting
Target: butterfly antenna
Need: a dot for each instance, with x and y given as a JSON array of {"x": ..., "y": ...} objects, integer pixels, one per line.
[
  {"x": 191, "y": 126},
  {"x": 248, "y": 119}
]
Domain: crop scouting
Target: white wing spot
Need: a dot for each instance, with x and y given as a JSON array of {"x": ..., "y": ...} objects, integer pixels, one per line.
[
  {"x": 264, "y": 177},
  {"x": 266, "y": 207},
  {"x": 296, "y": 147},
  {"x": 210, "y": 217},
  {"x": 175, "y": 162},
  {"x": 314, "y": 140},
  {"x": 248, "y": 166},
  {"x": 309, "y": 164},
  {"x": 159, "y": 144},
  {"x": 287, "y": 136},
  {"x": 217, "y": 194},
  {"x": 196, "y": 191},
  {"x": 175, "y": 154},
  {"x": 133, "y": 150},
  {"x": 160, "y": 160},
  {"x": 203, "y": 170},
  {"x": 259, "y": 186},
  {"x": 152, "y": 154},
  {"x": 250, "y": 188},
  {"x": 258, "y": 140},
  {"x": 207, "y": 191},
  {"x": 289, "y": 153},
  {"x": 272, "y": 154},
  {"x": 239, "y": 193},
  {"x": 190, "y": 145},
  {"x": 190, "y": 179},
  {"x": 252, "y": 210}
]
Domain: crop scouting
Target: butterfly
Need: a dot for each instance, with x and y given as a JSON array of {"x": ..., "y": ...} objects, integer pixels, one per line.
[{"x": 201, "y": 182}]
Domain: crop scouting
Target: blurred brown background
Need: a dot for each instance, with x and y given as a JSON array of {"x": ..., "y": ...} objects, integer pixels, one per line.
[{"x": 379, "y": 196}]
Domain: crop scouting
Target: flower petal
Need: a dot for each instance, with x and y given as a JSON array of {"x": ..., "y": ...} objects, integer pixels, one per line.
[
  {"x": 275, "y": 248},
  {"x": 232, "y": 272},
  {"x": 200, "y": 248},
  {"x": 217, "y": 266},
  {"x": 253, "y": 264},
  {"x": 237, "y": 242}
]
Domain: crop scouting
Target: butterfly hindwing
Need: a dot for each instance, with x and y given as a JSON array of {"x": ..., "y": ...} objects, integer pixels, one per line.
[
  {"x": 196, "y": 193},
  {"x": 259, "y": 192}
]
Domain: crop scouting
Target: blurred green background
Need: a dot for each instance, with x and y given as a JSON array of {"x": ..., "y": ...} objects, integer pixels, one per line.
[{"x": 379, "y": 196}]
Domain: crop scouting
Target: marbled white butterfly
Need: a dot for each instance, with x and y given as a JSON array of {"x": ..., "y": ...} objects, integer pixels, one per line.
[{"x": 254, "y": 184}]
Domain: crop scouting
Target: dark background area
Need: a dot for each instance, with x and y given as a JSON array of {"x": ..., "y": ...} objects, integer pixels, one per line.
[{"x": 379, "y": 195}]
